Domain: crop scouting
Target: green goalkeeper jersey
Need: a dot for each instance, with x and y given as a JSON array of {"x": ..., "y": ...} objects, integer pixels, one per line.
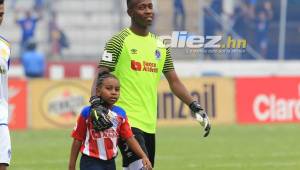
[{"x": 138, "y": 62}]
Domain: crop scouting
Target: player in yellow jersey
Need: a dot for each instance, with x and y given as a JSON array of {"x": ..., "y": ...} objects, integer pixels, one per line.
[
  {"x": 138, "y": 58},
  {"x": 5, "y": 145}
]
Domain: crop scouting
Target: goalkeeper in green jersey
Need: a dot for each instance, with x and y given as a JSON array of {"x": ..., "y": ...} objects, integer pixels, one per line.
[{"x": 138, "y": 58}]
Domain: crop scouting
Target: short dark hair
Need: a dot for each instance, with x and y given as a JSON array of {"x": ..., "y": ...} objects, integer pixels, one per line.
[{"x": 1, "y": 2}]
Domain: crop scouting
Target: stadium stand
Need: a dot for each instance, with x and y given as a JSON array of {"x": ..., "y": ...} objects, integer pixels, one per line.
[{"x": 89, "y": 23}]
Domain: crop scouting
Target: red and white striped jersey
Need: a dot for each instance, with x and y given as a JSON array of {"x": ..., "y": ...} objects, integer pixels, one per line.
[{"x": 102, "y": 145}]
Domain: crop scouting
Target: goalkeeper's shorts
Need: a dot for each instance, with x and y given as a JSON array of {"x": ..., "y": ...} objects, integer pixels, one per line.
[
  {"x": 147, "y": 143},
  {"x": 5, "y": 145}
]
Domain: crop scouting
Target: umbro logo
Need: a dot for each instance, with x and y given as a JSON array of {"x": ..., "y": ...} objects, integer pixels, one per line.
[{"x": 134, "y": 51}]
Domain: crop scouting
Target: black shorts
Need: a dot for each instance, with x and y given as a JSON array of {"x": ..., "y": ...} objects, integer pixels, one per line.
[
  {"x": 147, "y": 143},
  {"x": 90, "y": 163}
]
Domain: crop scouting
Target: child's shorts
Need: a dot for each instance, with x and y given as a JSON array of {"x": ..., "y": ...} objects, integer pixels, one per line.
[{"x": 90, "y": 163}]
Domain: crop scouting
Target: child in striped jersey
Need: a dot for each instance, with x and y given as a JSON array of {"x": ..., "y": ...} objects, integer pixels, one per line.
[{"x": 100, "y": 148}]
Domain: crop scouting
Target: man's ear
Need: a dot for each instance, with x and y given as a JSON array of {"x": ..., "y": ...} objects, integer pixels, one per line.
[{"x": 130, "y": 12}]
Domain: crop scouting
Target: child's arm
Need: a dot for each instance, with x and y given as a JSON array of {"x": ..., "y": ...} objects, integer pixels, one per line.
[
  {"x": 136, "y": 148},
  {"x": 74, "y": 154}
]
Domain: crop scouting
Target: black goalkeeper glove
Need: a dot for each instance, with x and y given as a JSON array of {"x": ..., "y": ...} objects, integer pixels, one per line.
[
  {"x": 201, "y": 117},
  {"x": 99, "y": 114}
]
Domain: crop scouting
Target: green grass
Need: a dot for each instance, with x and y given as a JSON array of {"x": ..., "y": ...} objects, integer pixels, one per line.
[{"x": 255, "y": 147}]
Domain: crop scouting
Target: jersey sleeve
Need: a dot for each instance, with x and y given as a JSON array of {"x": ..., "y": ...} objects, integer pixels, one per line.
[
  {"x": 79, "y": 131},
  {"x": 125, "y": 130},
  {"x": 112, "y": 51},
  {"x": 168, "y": 66}
]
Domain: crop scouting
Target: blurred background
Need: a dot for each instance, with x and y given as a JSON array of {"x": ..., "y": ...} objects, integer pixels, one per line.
[
  {"x": 251, "y": 93},
  {"x": 87, "y": 25},
  {"x": 76, "y": 30}
]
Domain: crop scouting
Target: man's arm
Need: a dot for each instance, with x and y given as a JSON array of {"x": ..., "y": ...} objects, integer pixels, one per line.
[
  {"x": 109, "y": 57},
  {"x": 178, "y": 88},
  {"x": 98, "y": 70},
  {"x": 181, "y": 92},
  {"x": 175, "y": 84}
]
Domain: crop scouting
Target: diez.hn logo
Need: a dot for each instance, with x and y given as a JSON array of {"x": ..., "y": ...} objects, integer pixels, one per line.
[{"x": 181, "y": 39}]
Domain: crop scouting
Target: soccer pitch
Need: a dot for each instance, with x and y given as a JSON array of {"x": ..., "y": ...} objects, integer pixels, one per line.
[{"x": 234, "y": 147}]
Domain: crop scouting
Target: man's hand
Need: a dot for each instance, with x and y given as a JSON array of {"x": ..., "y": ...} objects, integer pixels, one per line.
[
  {"x": 99, "y": 114},
  {"x": 201, "y": 117}
]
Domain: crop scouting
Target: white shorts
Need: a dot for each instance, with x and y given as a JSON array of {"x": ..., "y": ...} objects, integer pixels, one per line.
[{"x": 5, "y": 145}]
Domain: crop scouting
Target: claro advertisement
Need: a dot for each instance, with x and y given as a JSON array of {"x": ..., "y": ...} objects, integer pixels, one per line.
[
  {"x": 265, "y": 100},
  {"x": 216, "y": 95},
  {"x": 56, "y": 104}
]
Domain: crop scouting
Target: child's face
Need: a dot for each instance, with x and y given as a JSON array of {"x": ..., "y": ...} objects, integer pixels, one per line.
[{"x": 109, "y": 91}]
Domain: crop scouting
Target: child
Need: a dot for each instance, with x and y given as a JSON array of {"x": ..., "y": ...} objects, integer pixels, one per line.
[{"x": 99, "y": 148}]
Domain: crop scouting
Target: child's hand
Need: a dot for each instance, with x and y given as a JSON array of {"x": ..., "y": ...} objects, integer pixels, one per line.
[{"x": 146, "y": 163}]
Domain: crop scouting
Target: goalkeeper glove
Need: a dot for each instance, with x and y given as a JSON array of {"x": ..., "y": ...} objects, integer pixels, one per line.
[
  {"x": 201, "y": 117},
  {"x": 96, "y": 101},
  {"x": 99, "y": 114}
]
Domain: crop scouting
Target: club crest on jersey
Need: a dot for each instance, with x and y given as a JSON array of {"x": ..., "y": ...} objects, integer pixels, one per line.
[
  {"x": 157, "y": 55},
  {"x": 134, "y": 51},
  {"x": 114, "y": 119}
]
